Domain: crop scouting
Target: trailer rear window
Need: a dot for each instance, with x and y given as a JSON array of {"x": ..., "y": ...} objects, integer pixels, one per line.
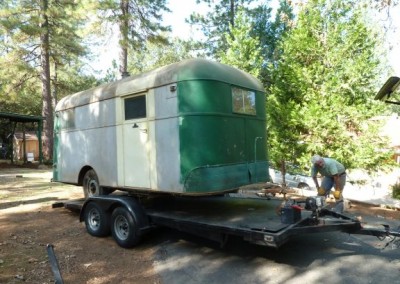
[
  {"x": 135, "y": 107},
  {"x": 244, "y": 101}
]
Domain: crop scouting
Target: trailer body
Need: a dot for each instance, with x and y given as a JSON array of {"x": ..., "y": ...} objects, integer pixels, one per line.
[{"x": 195, "y": 127}]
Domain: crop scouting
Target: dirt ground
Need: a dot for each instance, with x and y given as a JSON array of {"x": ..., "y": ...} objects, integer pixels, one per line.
[{"x": 28, "y": 223}]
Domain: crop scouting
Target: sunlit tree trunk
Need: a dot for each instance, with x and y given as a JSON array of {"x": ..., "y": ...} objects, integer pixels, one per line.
[
  {"x": 47, "y": 110},
  {"x": 232, "y": 16},
  {"x": 124, "y": 27}
]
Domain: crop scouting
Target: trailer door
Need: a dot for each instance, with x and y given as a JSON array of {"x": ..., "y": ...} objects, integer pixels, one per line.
[{"x": 135, "y": 139}]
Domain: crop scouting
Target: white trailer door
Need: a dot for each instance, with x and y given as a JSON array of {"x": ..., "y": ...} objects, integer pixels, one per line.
[{"x": 136, "y": 143}]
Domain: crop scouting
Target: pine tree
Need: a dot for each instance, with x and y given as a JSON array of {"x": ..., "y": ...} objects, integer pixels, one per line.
[
  {"x": 243, "y": 50},
  {"x": 36, "y": 34},
  {"x": 218, "y": 21},
  {"x": 154, "y": 55},
  {"x": 137, "y": 21},
  {"x": 321, "y": 98}
]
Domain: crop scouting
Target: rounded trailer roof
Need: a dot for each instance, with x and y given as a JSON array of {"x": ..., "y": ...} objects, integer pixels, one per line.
[{"x": 191, "y": 69}]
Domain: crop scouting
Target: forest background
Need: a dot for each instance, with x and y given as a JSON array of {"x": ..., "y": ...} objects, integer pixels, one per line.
[{"x": 321, "y": 63}]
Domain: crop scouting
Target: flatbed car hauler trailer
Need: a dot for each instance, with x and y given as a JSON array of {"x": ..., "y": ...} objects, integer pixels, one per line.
[{"x": 255, "y": 220}]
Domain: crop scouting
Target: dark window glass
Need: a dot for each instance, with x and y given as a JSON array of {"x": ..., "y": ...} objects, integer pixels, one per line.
[{"x": 135, "y": 107}]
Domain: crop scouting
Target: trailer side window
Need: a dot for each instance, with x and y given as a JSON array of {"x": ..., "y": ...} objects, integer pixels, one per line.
[
  {"x": 243, "y": 101},
  {"x": 135, "y": 107},
  {"x": 67, "y": 119}
]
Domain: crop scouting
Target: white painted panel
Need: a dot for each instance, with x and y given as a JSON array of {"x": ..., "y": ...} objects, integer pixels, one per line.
[
  {"x": 89, "y": 141},
  {"x": 167, "y": 139},
  {"x": 136, "y": 154},
  {"x": 166, "y": 102},
  {"x": 97, "y": 114},
  {"x": 152, "y": 139},
  {"x": 145, "y": 157},
  {"x": 136, "y": 144},
  {"x": 167, "y": 147},
  {"x": 95, "y": 148}
]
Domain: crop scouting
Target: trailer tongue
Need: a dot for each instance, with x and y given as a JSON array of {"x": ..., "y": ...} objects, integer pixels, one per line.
[{"x": 256, "y": 220}]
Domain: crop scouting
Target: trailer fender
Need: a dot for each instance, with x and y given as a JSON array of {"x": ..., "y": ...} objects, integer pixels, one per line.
[{"x": 109, "y": 202}]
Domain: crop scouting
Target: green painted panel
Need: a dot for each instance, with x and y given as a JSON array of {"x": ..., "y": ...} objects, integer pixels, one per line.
[
  {"x": 217, "y": 146},
  {"x": 219, "y": 177},
  {"x": 56, "y": 147},
  {"x": 210, "y": 140},
  {"x": 212, "y": 96},
  {"x": 204, "y": 96},
  {"x": 200, "y": 69}
]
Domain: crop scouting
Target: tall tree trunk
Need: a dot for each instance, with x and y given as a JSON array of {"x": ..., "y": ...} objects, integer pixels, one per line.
[
  {"x": 47, "y": 110},
  {"x": 123, "y": 28},
  {"x": 54, "y": 90},
  {"x": 232, "y": 18}
]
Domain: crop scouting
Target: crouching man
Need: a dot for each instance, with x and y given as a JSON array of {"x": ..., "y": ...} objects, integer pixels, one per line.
[{"x": 334, "y": 175}]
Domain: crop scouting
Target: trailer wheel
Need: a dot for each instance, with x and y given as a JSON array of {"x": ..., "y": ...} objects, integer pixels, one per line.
[
  {"x": 97, "y": 221},
  {"x": 124, "y": 228},
  {"x": 304, "y": 186},
  {"x": 91, "y": 185}
]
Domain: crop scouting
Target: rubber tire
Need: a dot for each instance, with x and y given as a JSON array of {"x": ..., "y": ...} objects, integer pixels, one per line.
[
  {"x": 97, "y": 221},
  {"x": 124, "y": 228},
  {"x": 91, "y": 185},
  {"x": 304, "y": 186}
]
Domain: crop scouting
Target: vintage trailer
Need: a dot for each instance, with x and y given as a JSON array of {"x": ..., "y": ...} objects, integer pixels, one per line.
[{"x": 196, "y": 127}]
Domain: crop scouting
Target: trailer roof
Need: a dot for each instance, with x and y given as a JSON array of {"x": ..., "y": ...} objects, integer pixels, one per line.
[{"x": 191, "y": 69}]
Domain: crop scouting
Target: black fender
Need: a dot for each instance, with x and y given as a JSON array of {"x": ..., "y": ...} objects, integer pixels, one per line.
[{"x": 110, "y": 202}]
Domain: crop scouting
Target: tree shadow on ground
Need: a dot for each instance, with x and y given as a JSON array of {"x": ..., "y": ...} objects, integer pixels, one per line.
[{"x": 11, "y": 204}]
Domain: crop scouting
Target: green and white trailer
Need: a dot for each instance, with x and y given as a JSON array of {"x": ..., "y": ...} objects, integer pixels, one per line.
[{"x": 196, "y": 127}]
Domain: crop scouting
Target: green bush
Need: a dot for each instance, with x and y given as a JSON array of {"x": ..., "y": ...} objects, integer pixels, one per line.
[{"x": 396, "y": 190}]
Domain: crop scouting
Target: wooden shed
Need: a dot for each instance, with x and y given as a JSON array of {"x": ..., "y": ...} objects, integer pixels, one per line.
[
  {"x": 17, "y": 121},
  {"x": 31, "y": 146}
]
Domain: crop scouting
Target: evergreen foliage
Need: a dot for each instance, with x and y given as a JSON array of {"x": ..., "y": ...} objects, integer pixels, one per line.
[
  {"x": 37, "y": 35},
  {"x": 155, "y": 55},
  {"x": 244, "y": 51},
  {"x": 21, "y": 47},
  {"x": 218, "y": 21},
  {"x": 269, "y": 32},
  {"x": 137, "y": 22},
  {"x": 323, "y": 84},
  {"x": 321, "y": 69}
]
